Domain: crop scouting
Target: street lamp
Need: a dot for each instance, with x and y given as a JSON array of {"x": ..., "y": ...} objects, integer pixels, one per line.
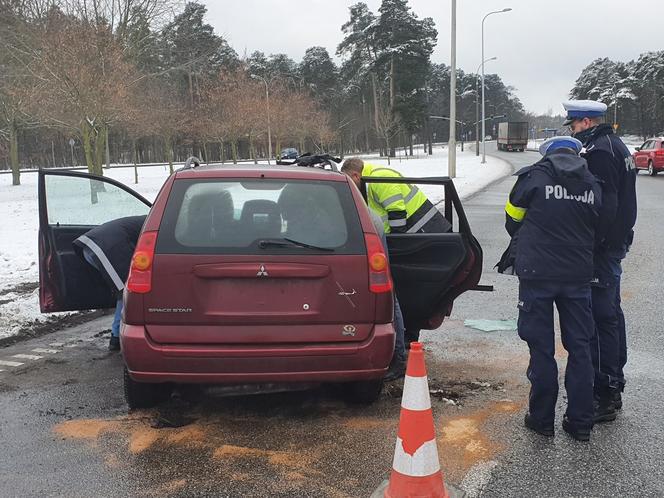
[
  {"x": 483, "y": 117},
  {"x": 477, "y": 105},
  {"x": 451, "y": 158},
  {"x": 267, "y": 105}
]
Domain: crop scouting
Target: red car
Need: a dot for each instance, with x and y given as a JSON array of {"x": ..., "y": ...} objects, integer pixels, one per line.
[
  {"x": 650, "y": 156},
  {"x": 252, "y": 275}
]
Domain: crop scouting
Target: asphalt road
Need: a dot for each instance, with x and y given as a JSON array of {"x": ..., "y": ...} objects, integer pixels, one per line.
[{"x": 66, "y": 430}]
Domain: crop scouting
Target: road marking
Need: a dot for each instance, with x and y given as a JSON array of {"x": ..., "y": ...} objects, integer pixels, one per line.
[
  {"x": 43, "y": 350},
  {"x": 57, "y": 344},
  {"x": 10, "y": 363},
  {"x": 27, "y": 356}
]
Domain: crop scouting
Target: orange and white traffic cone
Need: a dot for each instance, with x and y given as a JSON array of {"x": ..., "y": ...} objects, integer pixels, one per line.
[{"x": 416, "y": 468}]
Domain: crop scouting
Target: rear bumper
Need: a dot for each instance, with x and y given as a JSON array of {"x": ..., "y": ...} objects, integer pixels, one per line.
[{"x": 148, "y": 361}]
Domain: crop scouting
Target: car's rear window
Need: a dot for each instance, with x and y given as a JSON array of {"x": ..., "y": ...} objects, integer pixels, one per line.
[{"x": 238, "y": 216}]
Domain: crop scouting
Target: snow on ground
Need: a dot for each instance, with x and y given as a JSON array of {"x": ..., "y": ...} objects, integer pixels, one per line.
[{"x": 19, "y": 272}]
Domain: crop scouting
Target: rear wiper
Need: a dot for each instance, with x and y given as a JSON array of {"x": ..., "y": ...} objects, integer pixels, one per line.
[{"x": 285, "y": 242}]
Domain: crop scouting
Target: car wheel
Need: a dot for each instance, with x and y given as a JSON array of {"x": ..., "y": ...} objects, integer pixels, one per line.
[
  {"x": 143, "y": 394},
  {"x": 364, "y": 392},
  {"x": 651, "y": 169}
]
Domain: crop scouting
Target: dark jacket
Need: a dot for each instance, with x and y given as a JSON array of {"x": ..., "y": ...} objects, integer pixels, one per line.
[
  {"x": 610, "y": 161},
  {"x": 552, "y": 214},
  {"x": 113, "y": 245}
]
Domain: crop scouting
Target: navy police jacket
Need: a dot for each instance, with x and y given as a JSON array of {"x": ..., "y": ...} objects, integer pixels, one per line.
[
  {"x": 552, "y": 214},
  {"x": 610, "y": 160}
]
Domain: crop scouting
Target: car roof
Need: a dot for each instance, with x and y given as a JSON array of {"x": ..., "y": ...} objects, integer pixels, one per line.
[{"x": 261, "y": 171}]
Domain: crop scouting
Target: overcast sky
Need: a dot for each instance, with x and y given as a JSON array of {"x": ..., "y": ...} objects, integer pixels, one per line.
[{"x": 541, "y": 45}]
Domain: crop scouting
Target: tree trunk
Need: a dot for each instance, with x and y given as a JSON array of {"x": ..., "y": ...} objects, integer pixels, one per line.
[
  {"x": 86, "y": 132},
  {"x": 168, "y": 151},
  {"x": 234, "y": 151},
  {"x": 205, "y": 153},
  {"x": 222, "y": 152},
  {"x": 252, "y": 149},
  {"x": 135, "y": 155},
  {"x": 108, "y": 152},
  {"x": 13, "y": 153},
  {"x": 100, "y": 150},
  {"x": 410, "y": 144}
]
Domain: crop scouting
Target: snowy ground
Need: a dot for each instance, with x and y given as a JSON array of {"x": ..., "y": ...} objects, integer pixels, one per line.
[{"x": 19, "y": 274}]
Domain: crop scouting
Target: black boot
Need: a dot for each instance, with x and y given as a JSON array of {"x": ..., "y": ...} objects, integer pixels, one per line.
[
  {"x": 396, "y": 371},
  {"x": 534, "y": 425},
  {"x": 578, "y": 433},
  {"x": 114, "y": 344},
  {"x": 605, "y": 408},
  {"x": 617, "y": 399}
]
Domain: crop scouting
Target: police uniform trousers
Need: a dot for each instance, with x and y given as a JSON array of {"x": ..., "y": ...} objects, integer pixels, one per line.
[
  {"x": 609, "y": 343},
  {"x": 536, "y": 327}
]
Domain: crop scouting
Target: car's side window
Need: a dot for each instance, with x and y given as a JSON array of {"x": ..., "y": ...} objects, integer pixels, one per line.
[{"x": 72, "y": 200}]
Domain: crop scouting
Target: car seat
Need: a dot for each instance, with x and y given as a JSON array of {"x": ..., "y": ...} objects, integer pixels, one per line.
[{"x": 260, "y": 219}]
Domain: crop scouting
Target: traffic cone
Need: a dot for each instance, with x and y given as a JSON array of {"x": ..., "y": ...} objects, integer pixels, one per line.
[{"x": 416, "y": 468}]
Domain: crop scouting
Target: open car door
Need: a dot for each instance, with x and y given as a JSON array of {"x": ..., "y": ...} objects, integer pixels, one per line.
[
  {"x": 430, "y": 270},
  {"x": 70, "y": 204}
]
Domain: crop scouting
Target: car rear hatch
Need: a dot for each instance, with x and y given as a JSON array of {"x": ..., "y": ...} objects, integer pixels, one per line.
[{"x": 259, "y": 260}]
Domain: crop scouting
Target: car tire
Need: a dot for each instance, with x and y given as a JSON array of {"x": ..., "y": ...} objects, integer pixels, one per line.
[
  {"x": 144, "y": 394},
  {"x": 363, "y": 392},
  {"x": 651, "y": 169}
]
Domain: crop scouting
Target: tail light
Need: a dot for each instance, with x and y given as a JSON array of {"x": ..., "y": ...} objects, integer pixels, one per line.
[
  {"x": 659, "y": 152},
  {"x": 140, "y": 272},
  {"x": 379, "y": 271}
]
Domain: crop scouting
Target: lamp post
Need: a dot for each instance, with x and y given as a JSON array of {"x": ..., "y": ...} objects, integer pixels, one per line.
[
  {"x": 451, "y": 164},
  {"x": 267, "y": 106},
  {"x": 477, "y": 105},
  {"x": 483, "y": 115}
]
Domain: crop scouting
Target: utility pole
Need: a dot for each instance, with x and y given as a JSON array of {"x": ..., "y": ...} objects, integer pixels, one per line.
[{"x": 451, "y": 165}]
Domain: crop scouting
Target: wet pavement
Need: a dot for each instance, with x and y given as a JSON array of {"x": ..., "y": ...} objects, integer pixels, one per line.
[{"x": 66, "y": 430}]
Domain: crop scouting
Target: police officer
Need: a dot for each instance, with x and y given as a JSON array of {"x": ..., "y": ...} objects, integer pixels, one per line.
[
  {"x": 610, "y": 160},
  {"x": 403, "y": 208},
  {"x": 552, "y": 214}
]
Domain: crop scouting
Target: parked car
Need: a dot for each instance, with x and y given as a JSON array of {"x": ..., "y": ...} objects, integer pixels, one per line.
[
  {"x": 289, "y": 153},
  {"x": 248, "y": 275},
  {"x": 650, "y": 156}
]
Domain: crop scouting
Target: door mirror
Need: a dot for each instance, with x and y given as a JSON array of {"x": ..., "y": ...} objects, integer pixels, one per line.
[{"x": 637, "y": 149}]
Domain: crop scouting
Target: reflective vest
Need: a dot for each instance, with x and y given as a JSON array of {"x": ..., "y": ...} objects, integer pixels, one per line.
[{"x": 394, "y": 202}]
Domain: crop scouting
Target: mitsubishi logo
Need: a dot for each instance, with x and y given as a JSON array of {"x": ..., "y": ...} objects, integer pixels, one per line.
[{"x": 262, "y": 272}]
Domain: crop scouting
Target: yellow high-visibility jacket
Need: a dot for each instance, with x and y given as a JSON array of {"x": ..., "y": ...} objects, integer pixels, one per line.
[{"x": 393, "y": 202}]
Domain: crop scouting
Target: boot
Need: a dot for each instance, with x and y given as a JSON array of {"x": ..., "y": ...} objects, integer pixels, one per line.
[
  {"x": 605, "y": 408},
  {"x": 114, "y": 343},
  {"x": 539, "y": 428},
  {"x": 578, "y": 433},
  {"x": 617, "y": 399},
  {"x": 396, "y": 371}
]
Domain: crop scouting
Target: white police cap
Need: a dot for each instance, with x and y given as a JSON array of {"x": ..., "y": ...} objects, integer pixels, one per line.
[
  {"x": 560, "y": 142},
  {"x": 579, "y": 109}
]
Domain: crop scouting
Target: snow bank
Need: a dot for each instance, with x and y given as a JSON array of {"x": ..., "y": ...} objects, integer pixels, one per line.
[{"x": 19, "y": 222}]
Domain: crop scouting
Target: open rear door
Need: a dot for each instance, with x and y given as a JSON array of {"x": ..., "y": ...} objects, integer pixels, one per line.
[
  {"x": 70, "y": 204},
  {"x": 430, "y": 270}
]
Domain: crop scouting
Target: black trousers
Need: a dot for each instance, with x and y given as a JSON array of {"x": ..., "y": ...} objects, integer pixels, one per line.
[{"x": 536, "y": 327}]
